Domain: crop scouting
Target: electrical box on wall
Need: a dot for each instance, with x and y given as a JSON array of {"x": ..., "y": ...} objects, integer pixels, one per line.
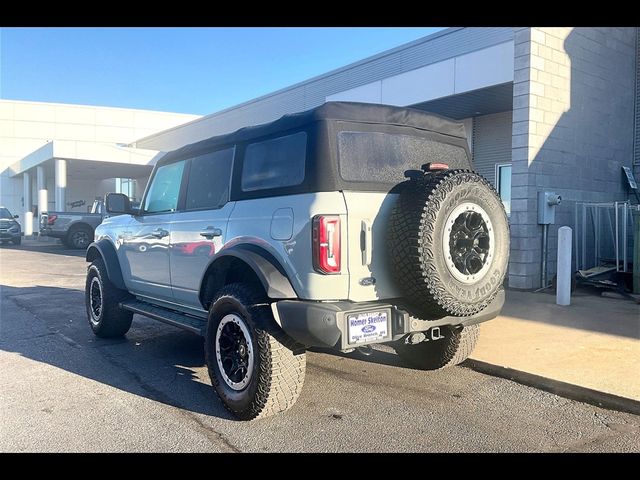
[{"x": 547, "y": 203}]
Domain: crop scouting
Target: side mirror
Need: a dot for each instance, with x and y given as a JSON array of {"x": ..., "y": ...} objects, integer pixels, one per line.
[
  {"x": 117, "y": 203},
  {"x": 16, "y": 216}
]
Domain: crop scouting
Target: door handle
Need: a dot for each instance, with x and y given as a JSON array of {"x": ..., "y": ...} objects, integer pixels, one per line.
[
  {"x": 159, "y": 233},
  {"x": 211, "y": 232}
]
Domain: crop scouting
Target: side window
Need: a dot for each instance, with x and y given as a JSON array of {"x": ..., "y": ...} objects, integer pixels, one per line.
[
  {"x": 209, "y": 178},
  {"x": 165, "y": 189},
  {"x": 274, "y": 163},
  {"x": 377, "y": 157}
]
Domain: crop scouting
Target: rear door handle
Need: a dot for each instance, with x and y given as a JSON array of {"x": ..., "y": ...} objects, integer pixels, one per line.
[
  {"x": 211, "y": 232},
  {"x": 159, "y": 233}
]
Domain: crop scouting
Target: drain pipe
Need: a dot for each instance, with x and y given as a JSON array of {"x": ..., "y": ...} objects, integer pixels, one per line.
[{"x": 543, "y": 261}]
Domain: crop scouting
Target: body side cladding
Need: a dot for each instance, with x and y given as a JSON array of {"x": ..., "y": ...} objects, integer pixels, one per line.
[{"x": 105, "y": 249}]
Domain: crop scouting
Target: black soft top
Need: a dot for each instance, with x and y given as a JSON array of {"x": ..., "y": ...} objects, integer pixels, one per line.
[{"x": 346, "y": 111}]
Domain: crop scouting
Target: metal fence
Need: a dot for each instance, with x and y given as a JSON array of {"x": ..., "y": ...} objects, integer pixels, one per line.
[{"x": 604, "y": 234}]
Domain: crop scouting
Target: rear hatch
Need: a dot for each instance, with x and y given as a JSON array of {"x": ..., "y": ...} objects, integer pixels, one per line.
[
  {"x": 375, "y": 163},
  {"x": 367, "y": 216}
]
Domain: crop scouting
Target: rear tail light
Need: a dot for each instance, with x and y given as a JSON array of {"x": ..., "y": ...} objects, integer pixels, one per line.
[
  {"x": 51, "y": 220},
  {"x": 326, "y": 243}
]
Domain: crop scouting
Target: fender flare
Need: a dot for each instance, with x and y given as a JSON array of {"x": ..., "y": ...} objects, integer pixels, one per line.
[
  {"x": 268, "y": 270},
  {"x": 105, "y": 249}
]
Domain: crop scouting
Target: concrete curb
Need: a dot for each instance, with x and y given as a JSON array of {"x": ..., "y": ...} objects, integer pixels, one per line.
[{"x": 563, "y": 389}]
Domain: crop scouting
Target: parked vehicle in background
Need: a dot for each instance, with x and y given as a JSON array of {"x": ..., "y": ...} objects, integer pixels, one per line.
[
  {"x": 75, "y": 229},
  {"x": 343, "y": 226},
  {"x": 10, "y": 230}
]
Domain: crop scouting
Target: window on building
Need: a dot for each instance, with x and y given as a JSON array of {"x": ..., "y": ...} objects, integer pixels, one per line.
[
  {"x": 165, "y": 189},
  {"x": 503, "y": 176},
  {"x": 274, "y": 163},
  {"x": 126, "y": 186},
  {"x": 209, "y": 179}
]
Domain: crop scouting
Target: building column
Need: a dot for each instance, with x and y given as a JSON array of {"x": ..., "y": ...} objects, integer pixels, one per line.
[
  {"x": 42, "y": 192},
  {"x": 27, "y": 226},
  {"x": 61, "y": 184}
]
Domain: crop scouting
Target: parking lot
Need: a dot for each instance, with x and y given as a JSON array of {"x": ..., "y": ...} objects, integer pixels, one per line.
[{"x": 62, "y": 389}]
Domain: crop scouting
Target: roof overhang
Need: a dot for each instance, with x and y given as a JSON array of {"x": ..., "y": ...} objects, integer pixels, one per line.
[
  {"x": 483, "y": 101},
  {"x": 102, "y": 155}
]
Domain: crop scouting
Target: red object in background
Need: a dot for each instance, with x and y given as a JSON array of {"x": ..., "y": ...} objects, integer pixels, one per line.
[{"x": 196, "y": 248}]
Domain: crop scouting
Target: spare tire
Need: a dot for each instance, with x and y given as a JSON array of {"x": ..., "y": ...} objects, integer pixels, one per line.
[{"x": 449, "y": 243}]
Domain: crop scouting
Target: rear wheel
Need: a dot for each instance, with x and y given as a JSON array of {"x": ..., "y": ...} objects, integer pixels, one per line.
[
  {"x": 255, "y": 368},
  {"x": 454, "y": 348},
  {"x": 79, "y": 237},
  {"x": 102, "y": 300}
]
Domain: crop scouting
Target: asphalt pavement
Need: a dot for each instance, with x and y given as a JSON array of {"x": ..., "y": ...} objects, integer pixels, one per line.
[{"x": 62, "y": 389}]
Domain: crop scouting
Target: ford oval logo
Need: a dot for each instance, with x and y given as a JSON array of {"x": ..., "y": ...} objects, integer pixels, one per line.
[{"x": 368, "y": 328}]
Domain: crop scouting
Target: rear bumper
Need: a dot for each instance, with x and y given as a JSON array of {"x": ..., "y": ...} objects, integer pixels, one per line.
[
  {"x": 48, "y": 232},
  {"x": 323, "y": 324}
]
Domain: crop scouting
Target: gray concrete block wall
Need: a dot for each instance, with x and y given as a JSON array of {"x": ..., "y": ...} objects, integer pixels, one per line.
[{"x": 572, "y": 130}]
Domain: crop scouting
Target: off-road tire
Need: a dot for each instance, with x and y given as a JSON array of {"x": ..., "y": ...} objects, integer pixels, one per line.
[
  {"x": 112, "y": 321},
  {"x": 75, "y": 242},
  {"x": 417, "y": 250},
  {"x": 454, "y": 348},
  {"x": 279, "y": 362}
]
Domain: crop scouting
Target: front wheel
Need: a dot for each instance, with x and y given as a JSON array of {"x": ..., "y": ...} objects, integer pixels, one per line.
[
  {"x": 453, "y": 347},
  {"x": 255, "y": 368},
  {"x": 102, "y": 300},
  {"x": 17, "y": 240}
]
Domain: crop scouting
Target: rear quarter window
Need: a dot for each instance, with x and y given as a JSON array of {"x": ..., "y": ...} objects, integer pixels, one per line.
[
  {"x": 274, "y": 163},
  {"x": 384, "y": 157},
  {"x": 209, "y": 178}
]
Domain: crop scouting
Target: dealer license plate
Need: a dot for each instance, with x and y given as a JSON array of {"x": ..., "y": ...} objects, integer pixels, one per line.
[{"x": 368, "y": 327}]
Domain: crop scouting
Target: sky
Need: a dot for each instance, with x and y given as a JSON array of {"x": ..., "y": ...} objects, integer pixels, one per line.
[{"x": 186, "y": 70}]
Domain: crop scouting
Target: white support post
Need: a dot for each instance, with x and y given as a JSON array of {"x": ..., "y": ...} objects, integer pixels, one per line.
[
  {"x": 42, "y": 192},
  {"x": 61, "y": 184},
  {"x": 28, "y": 214},
  {"x": 563, "y": 288},
  {"x": 28, "y": 224}
]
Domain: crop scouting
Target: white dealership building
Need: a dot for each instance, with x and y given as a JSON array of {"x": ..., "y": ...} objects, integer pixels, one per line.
[
  {"x": 546, "y": 109},
  {"x": 56, "y": 156}
]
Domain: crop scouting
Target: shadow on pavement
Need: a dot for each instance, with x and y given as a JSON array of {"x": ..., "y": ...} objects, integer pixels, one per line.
[
  {"x": 44, "y": 247},
  {"x": 380, "y": 354},
  {"x": 48, "y": 325}
]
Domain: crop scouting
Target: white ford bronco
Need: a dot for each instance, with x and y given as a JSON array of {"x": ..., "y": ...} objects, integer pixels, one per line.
[{"x": 340, "y": 227}]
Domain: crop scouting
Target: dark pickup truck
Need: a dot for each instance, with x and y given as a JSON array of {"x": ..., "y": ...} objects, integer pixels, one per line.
[{"x": 75, "y": 229}]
